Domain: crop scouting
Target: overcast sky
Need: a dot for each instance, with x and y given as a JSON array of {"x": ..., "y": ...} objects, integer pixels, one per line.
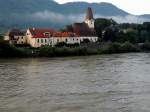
[{"x": 136, "y": 7}]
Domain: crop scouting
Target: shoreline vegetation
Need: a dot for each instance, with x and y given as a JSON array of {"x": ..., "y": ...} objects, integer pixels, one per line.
[
  {"x": 10, "y": 51},
  {"x": 112, "y": 38}
]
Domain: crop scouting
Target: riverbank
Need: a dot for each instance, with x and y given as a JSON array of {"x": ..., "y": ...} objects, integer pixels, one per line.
[{"x": 7, "y": 50}]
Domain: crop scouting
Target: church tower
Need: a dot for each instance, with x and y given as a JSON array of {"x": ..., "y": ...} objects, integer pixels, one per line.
[{"x": 89, "y": 20}]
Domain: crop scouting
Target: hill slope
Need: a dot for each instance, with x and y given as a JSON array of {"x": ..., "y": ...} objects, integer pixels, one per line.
[{"x": 47, "y": 13}]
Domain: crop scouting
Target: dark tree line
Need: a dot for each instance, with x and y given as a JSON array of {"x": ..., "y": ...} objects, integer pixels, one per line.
[{"x": 109, "y": 30}]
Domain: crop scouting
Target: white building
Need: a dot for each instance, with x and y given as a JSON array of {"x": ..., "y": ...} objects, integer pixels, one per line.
[
  {"x": 40, "y": 37},
  {"x": 37, "y": 37},
  {"x": 90, "y": 38}
]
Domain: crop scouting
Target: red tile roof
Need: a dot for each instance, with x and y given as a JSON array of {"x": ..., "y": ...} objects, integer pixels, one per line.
[
  {"x": 57, "y": 34},
  {"x": 64, "y": 34},
  {"x": 40, "y": 32},
  {"x": 82, "y": 29}
]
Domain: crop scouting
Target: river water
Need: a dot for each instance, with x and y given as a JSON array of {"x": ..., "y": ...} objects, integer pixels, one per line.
[{"x": 106, "y": 83}]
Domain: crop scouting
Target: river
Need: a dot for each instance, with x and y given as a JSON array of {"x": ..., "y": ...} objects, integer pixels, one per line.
[{"x": 105, "y": 83}]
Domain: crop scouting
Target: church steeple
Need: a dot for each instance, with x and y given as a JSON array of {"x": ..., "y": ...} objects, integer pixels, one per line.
[
  {"x": 89, "y": 20},
  {"x": 89, "y": 14}
]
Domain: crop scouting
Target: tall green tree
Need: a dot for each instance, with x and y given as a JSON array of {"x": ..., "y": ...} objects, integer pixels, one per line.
[{"x": 101, "y": 24}]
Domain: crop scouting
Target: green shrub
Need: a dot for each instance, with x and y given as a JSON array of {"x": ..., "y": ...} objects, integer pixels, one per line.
[
  {"x": 111, "y": 48},
  {"x": 129, "y": 47},
  {"x": 46, "y": 51},
  {"x": 146, "y": 46},
  {"x": 61, "y": 44}
]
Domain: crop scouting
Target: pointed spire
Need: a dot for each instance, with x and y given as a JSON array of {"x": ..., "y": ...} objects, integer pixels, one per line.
[{"x": 89, "y": 14}]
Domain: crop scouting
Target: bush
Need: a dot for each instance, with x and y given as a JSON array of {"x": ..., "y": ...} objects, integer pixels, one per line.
[
  {"x": 146, "y": 46},
  {"x": 85, "y": 41},
  {"x": 61, "y": 44},
  {"x": 7, "y": 50},
  {"x": 111, "y": 48},
  {"x": 46, "y": 51},
  {"x": 128, "y": 47}
]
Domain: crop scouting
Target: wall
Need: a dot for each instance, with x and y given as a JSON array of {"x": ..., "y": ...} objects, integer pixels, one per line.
[
  {"x": 73, "y": 40},
  {"x": 21, "y": 39},
  {"x": 90, "y": 23},
  {"x": 91, "y": 39}
]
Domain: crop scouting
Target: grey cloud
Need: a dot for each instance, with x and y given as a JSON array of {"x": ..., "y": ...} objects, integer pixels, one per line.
[
  {"x": 61, "y": 18},
  {"x": 56, "y": 17},
  {"x": 126, "y": 19}
]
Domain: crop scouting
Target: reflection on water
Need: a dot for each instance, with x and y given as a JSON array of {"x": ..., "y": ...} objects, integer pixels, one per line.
[{"x": 107, "y": 83}]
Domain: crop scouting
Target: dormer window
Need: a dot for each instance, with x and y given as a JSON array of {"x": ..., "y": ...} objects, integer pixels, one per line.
[
  {"x": 47, "y": 34},
  {"x": 33, "y": 33}
]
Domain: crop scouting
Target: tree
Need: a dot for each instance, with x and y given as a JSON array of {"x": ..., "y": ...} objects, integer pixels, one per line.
[
  {"x": 101, "y": 24},
  {"x": 131, "y": 36}
]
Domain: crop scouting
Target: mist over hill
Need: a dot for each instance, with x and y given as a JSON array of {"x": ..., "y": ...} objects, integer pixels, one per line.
[{"x": 48, "y": 13}]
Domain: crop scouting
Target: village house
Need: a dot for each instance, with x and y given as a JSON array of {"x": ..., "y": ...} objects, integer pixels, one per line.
[
  {"x": 67, "y": 37},
  {"x": 15, "y": 36},
  {"x": 37, "y": 37}
]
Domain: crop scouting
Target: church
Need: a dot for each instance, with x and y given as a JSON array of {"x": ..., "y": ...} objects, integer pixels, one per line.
[{"x": 85, "y": 29}]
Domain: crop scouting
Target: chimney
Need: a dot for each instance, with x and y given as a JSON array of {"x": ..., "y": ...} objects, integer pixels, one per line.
[{"x": 89, "y": 14}]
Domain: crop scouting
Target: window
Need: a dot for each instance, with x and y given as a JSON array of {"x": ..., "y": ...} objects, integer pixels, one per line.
[
  {"x": 66, "y": 40},
  {"x": 57, "y": 40},
  {"x": 41, "y": 40},
  {"x": 47, "y": 34},
  {"x": 38, "y": 40},
  {"x": 22, "y": 37},
  {"x": 33, "y": 33},
  {"x": 45, "y": 41}
]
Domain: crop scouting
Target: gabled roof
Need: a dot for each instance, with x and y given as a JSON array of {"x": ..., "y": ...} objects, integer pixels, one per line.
[
  {"x": 40, "y": 32},
  {"x": 83, "y": 29},
  {"x": 14, "y": 32}
]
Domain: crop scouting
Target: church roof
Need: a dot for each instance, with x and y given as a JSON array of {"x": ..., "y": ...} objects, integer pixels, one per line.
[
  {"x": 89, "y": 14},
  {"x": 82, "y": 29}
]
